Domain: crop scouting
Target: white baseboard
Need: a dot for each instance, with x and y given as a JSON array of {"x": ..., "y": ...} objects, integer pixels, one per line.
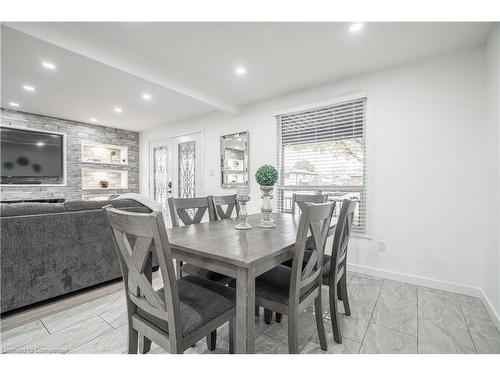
[
  {"x": 495, "y": 316},
  {"x": 430, "y": 283}
]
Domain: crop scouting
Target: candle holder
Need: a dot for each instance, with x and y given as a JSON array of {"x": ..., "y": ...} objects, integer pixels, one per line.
[
  {"x": 267, "y": 221},
  {"x": 243, "y": 196}
]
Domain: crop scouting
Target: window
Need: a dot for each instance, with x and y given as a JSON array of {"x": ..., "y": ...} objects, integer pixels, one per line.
[{"x": 322, "y": 150}]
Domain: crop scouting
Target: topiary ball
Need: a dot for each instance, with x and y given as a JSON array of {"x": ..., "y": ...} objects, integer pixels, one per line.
[{"x": 266, "y": 175}]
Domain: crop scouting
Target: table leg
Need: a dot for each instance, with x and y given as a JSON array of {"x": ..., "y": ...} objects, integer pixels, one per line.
[{"x": 245, "y": 311}]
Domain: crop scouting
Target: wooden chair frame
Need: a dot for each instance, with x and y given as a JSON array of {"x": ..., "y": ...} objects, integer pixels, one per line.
[
  {"x": 298, "y": 199},
  {"x": 135, "y": 261},
  {"x": 337, "y": 278},
  {"x": 316, "y": 219},
  {"x": 232, "y": 204}
]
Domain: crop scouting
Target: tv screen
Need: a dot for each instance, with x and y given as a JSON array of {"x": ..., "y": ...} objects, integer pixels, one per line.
[{"x": 26, "y": 153}]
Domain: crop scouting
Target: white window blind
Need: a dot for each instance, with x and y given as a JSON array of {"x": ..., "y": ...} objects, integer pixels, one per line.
[{"x": 322, "y": 150}]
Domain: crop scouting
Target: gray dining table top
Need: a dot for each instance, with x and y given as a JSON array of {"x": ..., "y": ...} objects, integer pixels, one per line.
[{"x": 220, "y": 241}]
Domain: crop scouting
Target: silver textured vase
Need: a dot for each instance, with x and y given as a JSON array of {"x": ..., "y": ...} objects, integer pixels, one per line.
[
  {"x": 266, "y": 208},
  {"x": 243, "y": 215}
]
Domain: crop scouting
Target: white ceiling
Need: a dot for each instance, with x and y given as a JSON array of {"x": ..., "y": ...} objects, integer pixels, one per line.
[{"x": 188, "y": 68}]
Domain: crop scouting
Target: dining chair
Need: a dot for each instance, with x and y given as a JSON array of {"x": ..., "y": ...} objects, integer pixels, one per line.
[
  {"x": 192, "y": 211},
  {"x": 297, "y": 200},
  {"x": 289, "y": 290},
  {"x": 180, "y": 313},
  {"x": 231, "y": 204},
  {"x": 334, "y": 268}
]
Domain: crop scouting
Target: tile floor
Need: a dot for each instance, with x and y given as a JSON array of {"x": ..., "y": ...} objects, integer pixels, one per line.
[{"x": 387, "y": 317}]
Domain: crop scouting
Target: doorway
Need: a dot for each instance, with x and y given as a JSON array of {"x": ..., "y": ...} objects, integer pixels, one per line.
[{"x": 176, "y": 168}]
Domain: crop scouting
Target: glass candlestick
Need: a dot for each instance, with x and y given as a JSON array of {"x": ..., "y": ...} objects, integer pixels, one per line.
[{"x": 243, "y": 196}]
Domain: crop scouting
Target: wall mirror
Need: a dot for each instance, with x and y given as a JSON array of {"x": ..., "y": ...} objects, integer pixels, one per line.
[{"x": 234, "y": 159}]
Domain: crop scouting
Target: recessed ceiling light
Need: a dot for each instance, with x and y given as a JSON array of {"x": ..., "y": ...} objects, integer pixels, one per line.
[
  {"x": 14, "y": 104},
  {"x": 40, "y": 144},
  {"x": 29, "y": 88},
  {"x": 240, "y": 70},
  {"x": 146, "y": 96},
  {"x": 48, "y": 65},
  {"x": 93, "y": 119},
  {"x": 355, "y": 27},
  {"x": 117, "y": 110}
]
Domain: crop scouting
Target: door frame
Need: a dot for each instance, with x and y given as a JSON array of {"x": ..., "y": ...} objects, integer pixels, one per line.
[{"x": 154, "y": 143}]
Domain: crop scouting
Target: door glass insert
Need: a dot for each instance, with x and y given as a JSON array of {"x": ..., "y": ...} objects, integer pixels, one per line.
[
  {"x": 160, "y": 157},
  {"x": 187, "y": 170}
]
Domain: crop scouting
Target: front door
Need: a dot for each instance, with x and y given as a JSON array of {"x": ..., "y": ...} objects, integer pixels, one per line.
[{"x": 176, "y": 166}]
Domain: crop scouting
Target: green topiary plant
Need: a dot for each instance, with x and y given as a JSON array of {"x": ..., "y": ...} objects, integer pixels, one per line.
[{"x": 266, "y": 175}]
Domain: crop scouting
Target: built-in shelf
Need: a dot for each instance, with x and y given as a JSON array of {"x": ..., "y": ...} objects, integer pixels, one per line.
[
  {"x": 96, "y": 153},
  {"x": 96, "y": 179},
  {"x": 95, "y": 197}
]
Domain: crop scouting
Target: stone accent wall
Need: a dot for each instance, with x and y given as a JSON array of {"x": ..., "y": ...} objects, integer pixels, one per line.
[{"x": 76, "y": 132}]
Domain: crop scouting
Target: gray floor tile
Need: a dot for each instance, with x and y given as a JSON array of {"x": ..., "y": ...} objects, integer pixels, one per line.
[
  {"x": 440, "y": 307},
  {"x": 116, "y": 317},
  {"x": 398, "y": 289},
  {"x": 396, "y": 313},
  {"x": 364, "y": 289},
  {"x": 485, "y": 345},
  {"x": 440, "y": 339},
  {"x": 306, "y": 327},
  {"x": 70, "y": 338},
  {"x": 69, "y": 317},
  {"x": 347, "y": 346},
  {"x": 382, "y": 340},
  {"x": 486, "y": 328},
  {"x": 22, "y": 335},
  {"x": 473, "y": 307},
  {"x": 354, "y": 326},
  {"x": 267, "y": 345},
  {"x": 113, "y": 342}
]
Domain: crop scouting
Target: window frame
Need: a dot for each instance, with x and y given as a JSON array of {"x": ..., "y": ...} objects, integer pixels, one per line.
[{"x": 362, "y": 189}]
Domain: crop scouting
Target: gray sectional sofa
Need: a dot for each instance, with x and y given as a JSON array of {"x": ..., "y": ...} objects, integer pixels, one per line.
[{"x": 51, "y": 249}]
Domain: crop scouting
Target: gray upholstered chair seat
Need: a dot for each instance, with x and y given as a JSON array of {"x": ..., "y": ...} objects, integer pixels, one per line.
[
  {"x": 275, "y": 285},
  {"x": 201, "y": 272},
  {"x": 201, "y": 301}
]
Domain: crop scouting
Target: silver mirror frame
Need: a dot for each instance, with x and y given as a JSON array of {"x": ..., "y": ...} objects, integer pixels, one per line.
[{"x": 245, "y": 172}]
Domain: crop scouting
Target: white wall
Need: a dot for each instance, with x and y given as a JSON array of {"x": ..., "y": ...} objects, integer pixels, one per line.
[
  {"x": 432, "y": 165},
  {"x": 491, "y": 271}
]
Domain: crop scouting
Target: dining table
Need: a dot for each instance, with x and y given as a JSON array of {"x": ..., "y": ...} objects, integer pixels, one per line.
[{"x": 241, "y": 254}]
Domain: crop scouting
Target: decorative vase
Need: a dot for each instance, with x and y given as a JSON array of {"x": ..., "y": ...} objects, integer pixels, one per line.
[
  {"x": 243, "y": 196},
  {"x": 266, "y": 208}
]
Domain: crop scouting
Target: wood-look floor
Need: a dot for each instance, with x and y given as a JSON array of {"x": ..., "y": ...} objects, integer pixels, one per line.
[{"x": 387, "y": 317}]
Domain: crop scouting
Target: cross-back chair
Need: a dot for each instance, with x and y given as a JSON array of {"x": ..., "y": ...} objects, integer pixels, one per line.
[
  {"x": 298, "y": 199},
  {"x": 192, "y": 211},
  {"x": 289, "y": 290},
  {"x": 184, "y": 310},
  {"x": 334, "y": 273},
  {"x": 231, "y": 204}
]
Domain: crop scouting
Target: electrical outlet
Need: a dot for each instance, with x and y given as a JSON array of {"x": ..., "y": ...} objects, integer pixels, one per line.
[{"x": 382, "y": 246}]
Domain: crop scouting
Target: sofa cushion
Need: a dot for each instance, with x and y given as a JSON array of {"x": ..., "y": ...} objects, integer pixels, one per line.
[
  {"x": 72, "y": 206},
  {"x": 23, "y": 209}
]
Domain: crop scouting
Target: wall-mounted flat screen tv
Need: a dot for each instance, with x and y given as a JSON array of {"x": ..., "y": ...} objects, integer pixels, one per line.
[{"x": 26, "y": 153}]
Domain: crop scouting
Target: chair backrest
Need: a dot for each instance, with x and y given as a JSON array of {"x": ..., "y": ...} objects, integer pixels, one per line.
[
  {"x": 342, "y": 235},
  {"x": 315, "y": 219},
  {"x": 190, "y": 210},
  {"x": 231, "y": 204},
  {"x": 136, "y": 236},
  {"x": 299, "y": 199}
]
